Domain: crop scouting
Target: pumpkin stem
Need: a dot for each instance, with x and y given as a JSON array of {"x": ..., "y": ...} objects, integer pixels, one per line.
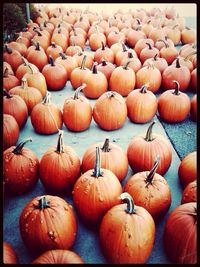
[
  {"x": 126, "y": 65},
  {"x": 63, "y": 56},
  {"x": 78, "y": 90},
  {"x": 43, "y": 203},
  {"x": 97, "y": 168},
  {"x": 175, "y": 26},
  {"x": 47, "y": 98},
  {"x": 124, "y": 47},
  {"x": 149, "y": 45},
  {"x": 24, "y": 84},
  {"x": 31, "y": 68},
  {"x": 165, "y": 42},
  {"x": 143, "y": 89},
  {"x": 5, "y": 93},
  {"x": 153, "y": 171},
  {"x": 8, "y": 49},
  {"x": 176, "y": 91},
  {"x": 60, "y": 144},
  {"x": 189, "y": 55},
  {"x": 53, "y": 44},
  {"x": 38, "y": 32},
  {"x": 126, "y": 197},
  {"x": 103, "y": 45},
  {"x": 26, "y": 63},
  {"x": 5, "y": 74},
  {"x": 105, "y": 147},
  {"x": 83, "y": 63},
  {"x": 94, "y": 68},
  {"x": 18, "y": 148},
  {"x": 51, "y": 61},
  {"x": 103, "y": 62},
  {"x": 177, "y": 63},
  {"x": 37, "y": 46},
  {"x": 148, "y": 137},
  {"x": 187, "y": 28},
  {"x": 130, "y": 55},
  {"x": 155, "y": 57}
]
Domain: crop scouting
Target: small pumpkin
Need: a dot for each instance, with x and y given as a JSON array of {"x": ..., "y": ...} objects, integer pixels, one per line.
[
  {"x": 88, "y": 61},
  {"x": 95, "y": 192},
  {"x": 9, "y": 255},
  {"x": 12, "y": 57},
  {"x": 193, "y": 109},
  {"x": 142, "y": 43},
  {"x": 54, "y": 50},
  {"x": 106, "y": 68},
  {"x": 43, "y": 211},
  {"x": 73, "y": 49},
  {"x": 148, "y": 52},
  {"x": 104, "y": 53},
  {"x": 9, "y": 80},
  {"x": 169, "y": 53},
  {"x": 10, "y": 131},
  {"x": 20, "y": 168},
  {"x": 135, "y": 64},
  {"x": 143, "y": 149},
  {"x": 68, "y": 62},
  {"x": 187, "y": 170},
  {"x": 122, "y": 54},
  {"x": 124, "y": 230},
  {"x": 188, "y": 35},
  {"x": 110, "y": 111},
  {"x": 42, "y": 39},
  {"x": 141, "y": 105},
  {"x": 181, "y": 231},
  {"x": 8, "y": 66},
  {"x": 190, "y": 193},
  {"x": 158, "y": 62},
  {"x": 24, "y": 68}
]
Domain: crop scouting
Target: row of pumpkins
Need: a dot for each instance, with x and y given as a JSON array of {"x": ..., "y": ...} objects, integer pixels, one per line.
[{"x": 97, "y": 193}]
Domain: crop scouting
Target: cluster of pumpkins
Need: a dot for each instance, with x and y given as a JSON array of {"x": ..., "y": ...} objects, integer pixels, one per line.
[{"x": 130, "y": 50}]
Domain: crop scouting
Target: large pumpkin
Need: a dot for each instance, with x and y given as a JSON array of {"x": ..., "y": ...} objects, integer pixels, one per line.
[
  {"x": 47, "y": 222},
  {"x": 95, "y": 192},
  {"x": 150, "y": 190},
  {"x": 127, "y": 233},
  {"x": 143, "y": 149},
  {"x": 20, "y": 168},
  {"x": 9, "y": 255},
  {"x": 59, "y": 167},
  {"x": 181, "y": 231},
  {"x": 10, "y": 131},
  {"x": 113, "y": 158},
  {"x": 110, "y": 111}
]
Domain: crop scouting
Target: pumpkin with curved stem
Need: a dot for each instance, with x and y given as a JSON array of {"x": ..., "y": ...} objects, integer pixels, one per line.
[
  {"x": 77, "y": 38},
  {"x": 185, "y": 61},
  {"x": 96, "y": 83},
  {"x": 120, "y": 55},
  {"x": 188, "y": 36},
  {"x": 14, "y": 105},
  {"x": 160, "y": 43},
  {"x": 148, "y": 146},
  {"x": 54, "y": 50},
  {"x": 176, "y": 72},
  {"x": 24, "y": 68},
  {"x": 16, "y": 46},
  {"x": 8, "y": 66},
  {"x": 135, "y": 64},
  {"x": 12, "y": 57},
  {"x": 110, "y": 111},
  {"x": 46, "y": 117},
  {"x": 141, "y": 105},
  {"x": 9, "y": 80},
  {"x": 10, "y": 131},
  {"x": 47, "y": 222},
  {"x": 169, "y": 53},
  {"x": 149, "y": 75},
  {"x": 42, "y": 39},
  {"x": 30, "y": 95},
  {"x": 148, "y": 52},
  {"x": 187, "y": 170},
  {"x": 73, "y": 49},
  {"x": 59, "y": 167},
  {"x": 150, "y": 190},
  {"x": 122, "y": 80},
  {"x": 103, "y": 53},
  {"x": 142, "y": 43},
  {"x": 193, "y": 109},
  {"x": 77, "y": 112},
  {"x": 55, "y": 74},
  {"x": 58, "y": 256},
  {"x": 88, "y": 61},
  {"x": 113, "y": 158},
  {"x": 173, "y": 105},
  {"x": 9, "y": 255},
  {"x": 158, "y": 62},
  {"x": 106, "y": 68},
  {"x": 124, "y": 230},
  {"x": 38, "y": 57},
  {"x": 20, "y": 168},
  {"x": 181, "y": 231},
  {"x": 190, "y": 193},
  {"x": 91, "y": 196},
  {"x": 68, "y": 62}
]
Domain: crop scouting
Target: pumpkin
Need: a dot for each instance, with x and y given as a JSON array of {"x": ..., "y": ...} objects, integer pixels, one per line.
[
  {"x": 77, "y": 112},
  {"x": 150, "y": 190},
  {"x": 110, "y": 111},
  {"x": 176, "y": 72},
  {"x": 188, "y": 35},
  {"x": 157, "y": 33},
  {"x": 106, "y": 68},
  {"x": 134, "y": 35},
  {"x": 55, "y": 74},
  {"x": 23, "y": 41},
  {"x": 8, "y": 66},
  {"x": 142, "y": 43},
  {"x": 158, "y": 62},
  {"x": 173, "y": 105},
  {"x": 122, "y": 54},
  {"x": 38, "y": 57},
  {"x": 190, "y": 193},
  {"x": 96, "y": 83},
  {"x": 187, "y": 170},
  {"x": 148, "y": 52},
  {"x": 122, "y": 80},
  {"x": 9, "y": 80},
  {"x": 69, "y": 18},
  {"x": 21, "y": 48},
  {"x": 58, "y": 256},
  {"x": 10, "y": 131},
  {"x": 113, "y": 158},
  {"x": 14, "y": 105},
  {"x": 78, "y": 74},
  {"x": 181, "y": 231},
  {"x": 48, "y": 27},
  {"x": 141, "y": 105},
  {"x": 135, "y": 63},
  {"x": 170, "y": 12},
  {"x": 115, "y": 37},
  {"x": 174, "y": 34},
  {"x": 47, "y": 222},
  {"x": 124, "y": 230},
  {"x": 60, "y": 39},
  {"x": 54, "y": 50},
  {"x": 78, "y": 31},
  {"x": 24, "y": 68},
  {"x": 46, "y": 117},
  {"x": 103, "y": 53},
  {"x": 9, "y": 255},
  {"x": 77, "y": 39},
  {"x": 30, "y": 95},
  {"x": 147, "y": 27},
  {"x": 143, "y": 149},
  {"x": 73, "y": 49},
  {"x": 193, "y": 81},
  {"x": 12, "y": 57},
  {"x": 42, "y": 39},
  {"x": 20, "y": 168},
  {"x": 169, "y": 53},
  {"x": 185, "y": 61},
  {"x": 68, "y": 62},
  {"x": 149, "y": 75},
  {"x": 193, "y": 109},
  {"x": 59, "y": 167},
  {"x": 88, "y": 61},
  {"x": 95, "y": 192},
  {"x": 160, "y": 43}
]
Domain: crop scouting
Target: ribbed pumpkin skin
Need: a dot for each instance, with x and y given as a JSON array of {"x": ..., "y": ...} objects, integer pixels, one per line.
[
  {"x": 9, "y": 255},
  {"x": 181, "y": 231}
]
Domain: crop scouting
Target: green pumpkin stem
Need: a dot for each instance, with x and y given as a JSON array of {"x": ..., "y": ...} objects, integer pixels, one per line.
[
  {"x": 126, "y": 197},
  {"x": 18, "y": 148},
  {"x": 42, "y": 203},
  {"x": 149, "y": 137},
  {"x": 176, "y": 91},
  {"x": 105, "y": 147},
  {"x": 78, "y": 90},
  {"x": 153, "y": 171},
  {"x": 97, "y": 168},
  {"x": 83, "y": 63},
  {"x": 60, "y": 144},
  {"x": 5, "y": 93}
]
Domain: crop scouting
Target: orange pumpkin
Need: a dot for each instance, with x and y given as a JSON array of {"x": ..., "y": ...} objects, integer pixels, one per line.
[
  {"x": 104, "y": 53},
  {"x": 106, "y": 68},
  {"x": 9, "y": 80},
  {"x": 188, "y": 35},
  {"x": 193, "y": 109},
  {"x": 24, "y": 68},
  {"x": 142, "y": 43},
  {"x": 9, "y": 255},
  {"x": 158, "y": 62},
  {"x": 169, "y": 53},
  {"x": 10, "y": 131},
  {"x": 12, "y": 57},
  {"x": 68, "y": 62},
  {"x": 148, "y": 52},
  {"x": 54, "y": 50},
  {"x": 190, "y": 193}
]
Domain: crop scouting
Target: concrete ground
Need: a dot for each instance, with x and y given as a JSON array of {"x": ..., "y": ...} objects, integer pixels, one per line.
[{"x": 182, "y": 137}]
